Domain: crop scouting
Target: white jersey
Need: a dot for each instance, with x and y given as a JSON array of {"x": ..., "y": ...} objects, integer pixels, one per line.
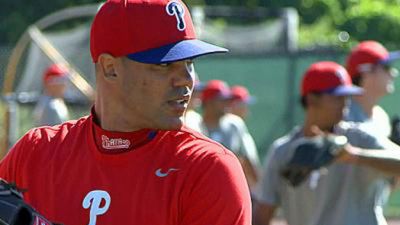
[
  {"x": 379, "y": 121},
  {"x": 232, "y": 132},
  {"x": 338, "y": 194},
  {"x": 50, "y": 111},
  {"x": 193, "y": 120}
]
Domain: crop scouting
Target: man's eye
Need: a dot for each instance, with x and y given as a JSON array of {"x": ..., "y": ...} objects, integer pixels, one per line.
[{"x": 164, "y": 64}]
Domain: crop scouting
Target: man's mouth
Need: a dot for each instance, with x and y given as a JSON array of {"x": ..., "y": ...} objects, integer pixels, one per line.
[
  {"x": 181, "y": 101},
  {"x": 179, "y": 104}
]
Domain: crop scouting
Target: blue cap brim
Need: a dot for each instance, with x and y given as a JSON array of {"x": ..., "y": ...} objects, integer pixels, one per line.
[
  {"x": 251, "y": 100},
  {"x": 187, "y": 49},
  {"x": 224, "y": 96},
  {"x": 392, "y": 56},
  {"x": 346, "y": 90}
]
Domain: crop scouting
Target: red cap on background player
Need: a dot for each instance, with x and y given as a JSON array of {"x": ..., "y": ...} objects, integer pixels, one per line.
[
  {"x": 241, "y": 93},
  {"x": 215, "y": 89},
  {"x": 55, "y": 73},
  {"x": 328, "y": 77},
  {"x": 366, "y": 54},
  {"x": 157, "y": 31}
]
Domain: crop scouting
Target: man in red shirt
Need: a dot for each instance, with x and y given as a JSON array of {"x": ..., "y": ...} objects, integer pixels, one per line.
[{"x": 132, "y": 161}]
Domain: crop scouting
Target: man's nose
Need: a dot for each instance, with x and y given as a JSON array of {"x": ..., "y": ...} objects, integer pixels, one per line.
[{"x": 185, "y": 75}]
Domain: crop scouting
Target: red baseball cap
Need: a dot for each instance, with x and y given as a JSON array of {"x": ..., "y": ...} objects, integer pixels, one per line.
[
  {"x": 55, "y": 73},
  {"x": 366, "y": 54},
  {"x": 242, "y": 94},
  {"x": 147, "y": 31},
  {"x": 328, "y": 77},
  {"x": 215, "y": 89}
]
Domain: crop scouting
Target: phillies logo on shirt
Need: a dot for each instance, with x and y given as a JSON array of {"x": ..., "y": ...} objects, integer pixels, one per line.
[
  {"x": 174, "y": 8},
  {"x": 98, "y": 202},
  {"x": 114, "y": 143}
]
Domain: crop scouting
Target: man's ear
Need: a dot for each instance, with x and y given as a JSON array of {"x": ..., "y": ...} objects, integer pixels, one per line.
[
  {"x": 107, "y": 64},
  {"x": 367, "y": 79}
]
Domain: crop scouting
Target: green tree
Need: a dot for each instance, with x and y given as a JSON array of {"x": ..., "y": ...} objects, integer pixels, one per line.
[
  {"x": 373, "y": 19},
  {"x": 321, "y": 21},
  {"x": 17, "y": 15}
]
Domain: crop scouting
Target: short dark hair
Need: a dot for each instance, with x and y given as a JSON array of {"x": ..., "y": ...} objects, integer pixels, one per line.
[
  {"x": 303, "y": 99},
  {"x": 303, "y": 102},
  {"x": 356, "y": 79}
]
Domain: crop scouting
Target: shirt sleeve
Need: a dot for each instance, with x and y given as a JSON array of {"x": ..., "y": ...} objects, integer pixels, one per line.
[
  {"x": 247, "y": 145},
  {"x": 361, "y": 136},
  {"x": 217, "y": 193},
  {"x": 269, "y": 186},
  {"x": 11, "y": 166}
]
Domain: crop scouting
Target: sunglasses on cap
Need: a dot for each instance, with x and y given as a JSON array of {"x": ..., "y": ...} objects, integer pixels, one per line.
[{"x": 363, "y": 68}]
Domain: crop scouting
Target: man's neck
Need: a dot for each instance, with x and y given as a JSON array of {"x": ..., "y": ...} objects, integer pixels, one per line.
[
  {"x": 211, "y": 120},
  {"x": 310, "y": 124},
  {"x": 112, "y": 121},
  {"x": 367, "y": 103}
]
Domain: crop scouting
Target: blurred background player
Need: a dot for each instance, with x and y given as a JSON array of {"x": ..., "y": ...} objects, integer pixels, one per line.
[
  {"x": 50, "y": 108},
  {"x": 240, "y": 100},
  {"x": 228, "y": 129},
  {"x": 369, "y": 65},
  {"x": 348, "y": 190}
]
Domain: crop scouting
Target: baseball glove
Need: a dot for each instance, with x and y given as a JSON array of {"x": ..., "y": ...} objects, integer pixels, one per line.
[
  {"x": 13, "y": 209},
  {"x": 395, "y": 133},
  {"x": 311, "y": 154}
]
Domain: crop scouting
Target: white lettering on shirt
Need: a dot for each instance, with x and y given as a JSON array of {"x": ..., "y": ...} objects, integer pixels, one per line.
[
  {"x": 93, "y": 201},
  {"x": 114, "y": 143}
]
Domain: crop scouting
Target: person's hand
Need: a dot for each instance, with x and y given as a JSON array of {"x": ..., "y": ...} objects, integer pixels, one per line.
[{"x": 349, "y": 154}]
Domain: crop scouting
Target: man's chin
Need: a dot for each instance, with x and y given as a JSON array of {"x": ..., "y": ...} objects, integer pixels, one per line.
[{"x": 173, "y": 124}]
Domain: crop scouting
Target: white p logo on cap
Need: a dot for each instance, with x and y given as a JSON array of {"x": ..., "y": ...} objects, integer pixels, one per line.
[
  {"x": 175, "y": 8},
  {"x": 341, "y": 73}
]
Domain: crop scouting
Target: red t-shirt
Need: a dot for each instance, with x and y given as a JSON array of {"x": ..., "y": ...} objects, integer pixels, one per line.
[{"x": 173, "y": 178}]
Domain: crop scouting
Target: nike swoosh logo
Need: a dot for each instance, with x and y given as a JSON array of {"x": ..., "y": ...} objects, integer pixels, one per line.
[{"x": 161, "y": 174}]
